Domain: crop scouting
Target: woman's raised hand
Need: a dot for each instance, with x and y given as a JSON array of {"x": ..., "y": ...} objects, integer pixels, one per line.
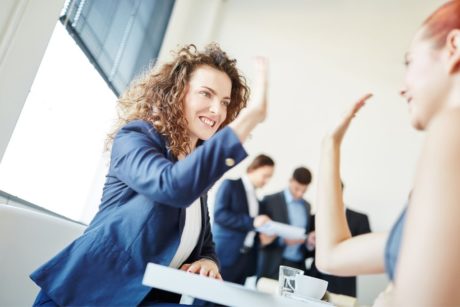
[
  {"x": 338, "y": 132},
  {"x": 256, "y": 111},
  {"x": 258, "y": 103}
]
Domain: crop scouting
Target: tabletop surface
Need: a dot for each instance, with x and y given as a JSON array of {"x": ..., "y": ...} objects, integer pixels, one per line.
[{"x": 221, "y": 292}]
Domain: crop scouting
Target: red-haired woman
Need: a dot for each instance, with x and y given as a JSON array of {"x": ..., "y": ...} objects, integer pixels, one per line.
[{"x": 421, "y": 254}]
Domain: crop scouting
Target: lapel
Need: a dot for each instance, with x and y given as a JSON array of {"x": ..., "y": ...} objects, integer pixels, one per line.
[
  {"x": 204, "y": 211},
  {"x": 182, "y": 211},
  {"x": 284, "y": 216},
  {"x": 241, "y": 199}
]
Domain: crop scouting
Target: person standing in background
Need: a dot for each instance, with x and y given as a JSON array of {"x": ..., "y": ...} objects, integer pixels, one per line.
[
  {"x": 236, "y": 215},
  {"x": 288, "y": 207}
]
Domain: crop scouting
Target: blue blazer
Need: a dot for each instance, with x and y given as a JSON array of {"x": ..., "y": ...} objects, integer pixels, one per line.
[
  {"x": 140, "y": 218},
  {"x": 231, "y": 221}
]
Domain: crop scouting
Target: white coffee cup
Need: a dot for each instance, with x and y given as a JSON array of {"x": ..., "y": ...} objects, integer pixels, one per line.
[{"x": 307, "y": 286}]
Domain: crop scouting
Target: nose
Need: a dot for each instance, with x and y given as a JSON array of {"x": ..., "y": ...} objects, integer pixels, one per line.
[
  {"x": 403, "y": 92},
  {"x": 216, "y": 107}
]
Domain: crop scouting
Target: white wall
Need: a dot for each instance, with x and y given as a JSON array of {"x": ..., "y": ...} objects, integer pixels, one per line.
[{"x": 324, "y": 55}]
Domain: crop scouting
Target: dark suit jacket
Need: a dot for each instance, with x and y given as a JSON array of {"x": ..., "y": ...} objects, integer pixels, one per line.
[
  {"x": 140, "y": 218},
  {"x": 232, "y": 222},
  {"x": 358, "y": 224},
  {"x": 271, "y": 255}
]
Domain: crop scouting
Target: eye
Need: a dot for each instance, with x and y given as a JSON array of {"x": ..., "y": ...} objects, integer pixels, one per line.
[
  {"x": 205, "y": 94},
  {"x": 226, "y": 102},
  {"x": 407, "y": 60}
]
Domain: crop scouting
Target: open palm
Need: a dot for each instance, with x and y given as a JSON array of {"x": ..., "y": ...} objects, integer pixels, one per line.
[
  {"x": 339, "y": 131},
  {"x": 259, "y": 101}
]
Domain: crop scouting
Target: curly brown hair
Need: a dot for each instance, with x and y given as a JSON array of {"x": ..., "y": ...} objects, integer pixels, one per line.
[{"x": 157, "y": 96}]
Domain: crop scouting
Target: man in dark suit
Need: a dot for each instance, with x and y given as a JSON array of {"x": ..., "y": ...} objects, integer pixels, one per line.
[
  {"x": 236, "y": 215},
  {"x": 358, "y": 224},
  {"x": 286, "y": 207}
]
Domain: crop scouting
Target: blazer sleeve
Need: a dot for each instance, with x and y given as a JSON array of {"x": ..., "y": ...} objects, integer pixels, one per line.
[
  {"x": 224, "y": 215},
  {"x": 139, "y": 160}
]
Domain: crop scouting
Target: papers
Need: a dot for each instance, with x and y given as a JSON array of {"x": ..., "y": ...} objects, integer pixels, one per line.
[{"x": 282, "y": 230}]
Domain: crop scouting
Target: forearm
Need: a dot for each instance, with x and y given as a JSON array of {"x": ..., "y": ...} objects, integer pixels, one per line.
[
  {"x": 244, "y": 124},
  {"x": 331, "y": 223}
]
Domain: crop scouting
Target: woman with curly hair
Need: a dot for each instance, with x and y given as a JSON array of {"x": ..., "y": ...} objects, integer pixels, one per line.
[{"x": 180, "y": 128}]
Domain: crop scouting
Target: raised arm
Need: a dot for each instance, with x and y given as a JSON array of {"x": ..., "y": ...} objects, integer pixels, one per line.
[
  {"x": 256, "y": 112},
  {"x": 337, "y": 252},
  {"x": 428, "y": 272},
  {"x": 138, "y": 159}
]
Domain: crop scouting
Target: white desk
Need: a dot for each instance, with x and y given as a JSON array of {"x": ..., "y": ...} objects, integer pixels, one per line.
[{"x": 216, "y": 291}]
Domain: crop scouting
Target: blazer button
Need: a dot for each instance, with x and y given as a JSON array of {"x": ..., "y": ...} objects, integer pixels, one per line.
[{"x": 229, "y": 162}]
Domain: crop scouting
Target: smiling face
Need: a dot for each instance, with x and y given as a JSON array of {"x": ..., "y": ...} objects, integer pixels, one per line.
[
  {"x": 426, "y": 82},
  {"x": 206, "y": 101}
]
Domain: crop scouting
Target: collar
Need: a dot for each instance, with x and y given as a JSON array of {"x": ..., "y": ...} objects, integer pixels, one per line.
[
  {"x": 288, "y": 196},
  {"x": 247, "y": 183}
]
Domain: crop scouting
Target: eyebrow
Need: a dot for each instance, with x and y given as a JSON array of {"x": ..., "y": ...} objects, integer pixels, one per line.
[{"x": 214, "y": 92}]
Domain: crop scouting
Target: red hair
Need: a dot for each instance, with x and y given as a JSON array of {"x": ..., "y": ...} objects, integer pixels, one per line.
[{"x": 442, "y": 22}]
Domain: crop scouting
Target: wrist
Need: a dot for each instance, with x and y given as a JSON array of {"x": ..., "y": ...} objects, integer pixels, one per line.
[{"x": 329, "y": 141}]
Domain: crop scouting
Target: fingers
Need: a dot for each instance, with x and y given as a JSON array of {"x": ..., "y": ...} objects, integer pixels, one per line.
[
  {"x": 185, "y": 266},
  {"x": 194, "y": 268},
  {"x": 260, "y": 220},
  {"x": 261, "y": 66},
  {"x": 204, "y": 271},
  {"x": 260, "y": 86},
  {"x": 359, "y": 104},
  {"x": 212, "y": 274},
  {"x": 204, "y": 268}
]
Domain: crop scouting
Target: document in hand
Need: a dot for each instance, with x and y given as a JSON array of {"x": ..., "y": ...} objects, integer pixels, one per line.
[{"x": 282, "y": 230}]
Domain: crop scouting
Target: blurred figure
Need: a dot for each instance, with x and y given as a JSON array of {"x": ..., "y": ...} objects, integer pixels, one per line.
[
  {"x": 420, "y": 254},
  {"x": 288, "y": 207},
  {"x": 236, "y": 215}
]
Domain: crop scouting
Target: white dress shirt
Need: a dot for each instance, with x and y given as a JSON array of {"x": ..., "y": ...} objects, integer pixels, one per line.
[{"x": 190, "y": 234}]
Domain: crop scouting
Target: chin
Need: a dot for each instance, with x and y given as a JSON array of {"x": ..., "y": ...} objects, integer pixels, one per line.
[
  {"x": 417, "y": 124},
  {"x": 206, "y": 136}
]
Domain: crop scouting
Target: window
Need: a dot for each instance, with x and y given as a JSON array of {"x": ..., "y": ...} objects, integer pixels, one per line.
[
  {"x": 120, "y": 37},
  {"x": 55, "y": 154},
  {"x": 55, "y": 157}
]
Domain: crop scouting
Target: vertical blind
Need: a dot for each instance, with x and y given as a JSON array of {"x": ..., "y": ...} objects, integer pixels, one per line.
[{"x": 120, "y": 37}]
